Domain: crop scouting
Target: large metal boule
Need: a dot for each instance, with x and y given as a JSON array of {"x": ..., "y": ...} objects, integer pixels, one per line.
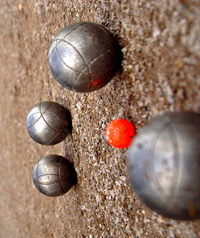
[
  {"x": 84, "y": 57},
  {"x": 164, "y": 165}
]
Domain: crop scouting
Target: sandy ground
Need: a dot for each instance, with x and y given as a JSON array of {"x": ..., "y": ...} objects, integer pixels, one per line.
[{"x": 160, "y": 42}]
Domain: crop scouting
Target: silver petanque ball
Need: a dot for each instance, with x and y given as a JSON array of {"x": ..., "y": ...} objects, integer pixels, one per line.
[
  {"x": 48, "y": 123},
  {"x": 164, "y": 165},
  {"x": 54, "y": 175},
  {"x": 84, "y": 57}
]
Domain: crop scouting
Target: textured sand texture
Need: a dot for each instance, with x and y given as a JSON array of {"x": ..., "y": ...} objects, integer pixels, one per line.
[{"x": 160, "y": 41}]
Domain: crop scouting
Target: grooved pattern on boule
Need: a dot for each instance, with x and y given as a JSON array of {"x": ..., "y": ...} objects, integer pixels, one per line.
[{"x": 84, "y": 57}]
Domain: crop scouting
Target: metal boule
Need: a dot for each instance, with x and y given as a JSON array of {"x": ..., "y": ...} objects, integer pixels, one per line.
[
  {"x": 164, "y": 165},
  {"x": 54, "y": 175},
  {"x": 48, "y": 123},
  {"x": 84, "y": 57}
]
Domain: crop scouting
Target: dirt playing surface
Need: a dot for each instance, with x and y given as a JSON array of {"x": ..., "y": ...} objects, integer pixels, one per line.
[{"x": 160, "y": 42}]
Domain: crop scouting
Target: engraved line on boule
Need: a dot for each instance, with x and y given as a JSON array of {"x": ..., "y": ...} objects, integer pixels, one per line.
[
  {"x": 59, "y": 133},
  {"x": 82, "y": 57},
  {"x": 48, "y": 113},
  {"x": 50, "y": 183},
  {"x": 39, "y": 116},
  {"x": 152, "y": 153},
  {"x": 176, "y": 155},
  {"x": 81, "y": 24},
  {"x": 59, "y": 178},
  {"x": 65, "y": 36},
  {"x": 98, "y": 57},
  {"x": 37, "y": 176},
  {"x": 62, "y": 61},
  {"x": 91, "y": 62},
  {"x": 41, "y": 175},
  {"x": 54, "y": 129},
  {"x": 154, "y": 178}
]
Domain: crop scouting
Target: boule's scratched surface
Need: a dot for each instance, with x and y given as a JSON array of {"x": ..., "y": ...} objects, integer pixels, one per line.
[
  {"x": 84, "y": 57},
  {"x": 54, "y": 175},
  {"x": 160, "y": 44},
  {"x": 164, "y": 165}
]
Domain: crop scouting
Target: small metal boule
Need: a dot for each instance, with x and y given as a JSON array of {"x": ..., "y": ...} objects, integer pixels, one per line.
[
  {"x": 164, "y": 165},
  {"x": 54, "y": 175},
  {"x": 84, "y": 57},
  {"x": 48, "y": 123}
]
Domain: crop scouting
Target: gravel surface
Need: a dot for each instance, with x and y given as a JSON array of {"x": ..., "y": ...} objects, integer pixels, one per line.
[{"x": 160, "y": 41}]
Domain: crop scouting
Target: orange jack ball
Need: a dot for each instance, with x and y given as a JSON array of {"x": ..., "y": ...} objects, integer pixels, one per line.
[{"x": 120, "y": 133}]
